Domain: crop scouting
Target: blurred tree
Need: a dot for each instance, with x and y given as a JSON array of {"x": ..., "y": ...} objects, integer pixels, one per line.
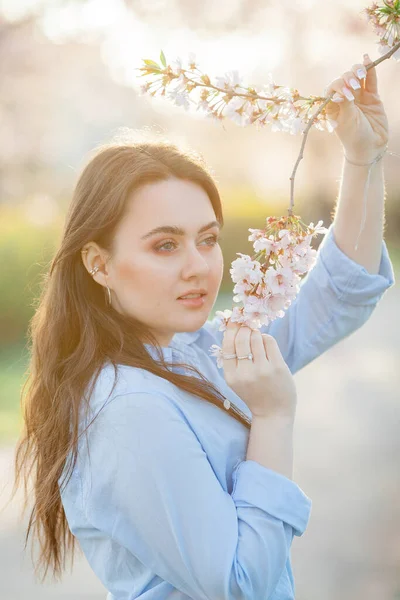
[
  {"x": 56, "y": 102},
  {"x": 215, "y": 18}
]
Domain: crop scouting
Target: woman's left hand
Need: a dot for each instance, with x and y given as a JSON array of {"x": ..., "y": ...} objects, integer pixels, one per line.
[{"x": 362, "y": 125}]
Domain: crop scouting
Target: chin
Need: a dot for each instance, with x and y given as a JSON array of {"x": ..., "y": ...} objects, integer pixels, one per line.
[{"x": 193, "y": 322}]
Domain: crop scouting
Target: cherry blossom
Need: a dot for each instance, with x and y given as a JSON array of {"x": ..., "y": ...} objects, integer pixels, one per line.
[{"x": 267, "y": 282}]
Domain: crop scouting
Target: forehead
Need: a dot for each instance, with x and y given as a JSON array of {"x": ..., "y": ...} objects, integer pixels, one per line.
[{"x": 170, "y": 202}]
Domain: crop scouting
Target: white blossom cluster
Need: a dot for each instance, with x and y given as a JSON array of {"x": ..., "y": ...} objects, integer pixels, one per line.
[{"x": 267, "y": 283}]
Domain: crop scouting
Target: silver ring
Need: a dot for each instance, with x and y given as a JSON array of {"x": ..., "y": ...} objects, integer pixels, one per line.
[
  {"x": 94, "y": 270},
  {"x": 249, "y": 356},
  {"x": 227, "y": 356}
]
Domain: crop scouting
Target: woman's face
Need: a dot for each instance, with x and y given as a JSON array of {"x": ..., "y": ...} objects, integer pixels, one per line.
[{"x": 149, "y": 271}]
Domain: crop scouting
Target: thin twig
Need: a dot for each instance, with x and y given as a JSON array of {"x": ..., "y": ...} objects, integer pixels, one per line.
[{"x": 317, "y": 112}]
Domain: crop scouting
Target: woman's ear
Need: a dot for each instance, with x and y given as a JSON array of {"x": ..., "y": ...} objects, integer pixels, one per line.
[{"x": 95, "y": 259}]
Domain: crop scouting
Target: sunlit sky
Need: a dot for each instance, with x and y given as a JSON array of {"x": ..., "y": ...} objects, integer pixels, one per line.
[
  {"x": 295, "y": 41},
  {"x": 127, "y": 39}
]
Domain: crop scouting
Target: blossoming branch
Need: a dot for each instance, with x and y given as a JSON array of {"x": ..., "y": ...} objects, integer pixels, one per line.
[
  {"x": 267, "y": 282},
  {"x": 281, "y": 107}
]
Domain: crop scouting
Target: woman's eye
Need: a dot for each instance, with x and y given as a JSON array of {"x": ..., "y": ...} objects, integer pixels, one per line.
[{"x": 211, "y": 241}]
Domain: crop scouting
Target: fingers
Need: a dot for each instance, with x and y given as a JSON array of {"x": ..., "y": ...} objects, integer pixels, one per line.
[
  {"x": 257, "y": 348},
  {"x": 350, "y": 86},
  {"x": 272, "y": 350},
  {"x": 371, "y": 83},
  {"x": 352, "y": 82},
  {"x": 342, "y": 88},
  {"x": 228, "y": 347},
  {"x": 242, "y": 340}
]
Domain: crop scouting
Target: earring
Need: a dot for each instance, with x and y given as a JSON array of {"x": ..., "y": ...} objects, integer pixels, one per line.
[
  {"x": 108, "y": 293},
  {"x": 94, "y": 270}
]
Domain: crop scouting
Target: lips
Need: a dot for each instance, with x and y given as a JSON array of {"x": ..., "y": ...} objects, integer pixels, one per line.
[
  {"x": 196, "y": 302},
  {"x": 190, "y": 297},
  {"x": 201, "y": 292}
]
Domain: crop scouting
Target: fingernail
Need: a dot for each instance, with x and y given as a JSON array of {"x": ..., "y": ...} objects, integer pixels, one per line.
[
  {"x": 354, "y": 84},
  {"x": 337, "y": 98},
  {"x": 347, "y": 93},
  {"x": 366, "y": 56},
  {"x": 361, "y": 73}
]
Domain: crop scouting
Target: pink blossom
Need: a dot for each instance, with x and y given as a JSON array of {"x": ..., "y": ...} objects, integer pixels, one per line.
[
  {"x": 279, "y": 279},
  {"x": 268, "y": 286}
]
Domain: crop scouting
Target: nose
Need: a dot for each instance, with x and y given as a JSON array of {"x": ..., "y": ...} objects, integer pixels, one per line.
[{"x": 195, "y": 263}]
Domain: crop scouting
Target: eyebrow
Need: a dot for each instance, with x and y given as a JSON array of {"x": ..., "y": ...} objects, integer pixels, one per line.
[{"x": 178, "y": 230}]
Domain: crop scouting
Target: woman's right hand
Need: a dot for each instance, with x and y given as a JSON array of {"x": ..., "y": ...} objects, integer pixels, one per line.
[{"x": 265, "y": 383}]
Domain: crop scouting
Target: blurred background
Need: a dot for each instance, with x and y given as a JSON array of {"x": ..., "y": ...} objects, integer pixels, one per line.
[{"x": 67, "y": 83}]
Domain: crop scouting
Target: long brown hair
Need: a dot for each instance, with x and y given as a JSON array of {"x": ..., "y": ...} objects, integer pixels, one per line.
[{"x": 73, "y": 332}]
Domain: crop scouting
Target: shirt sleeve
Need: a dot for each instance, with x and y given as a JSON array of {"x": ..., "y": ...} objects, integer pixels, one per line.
[
  {"x": 336, "y": 297},
  {"x": 150, "y": 486}
]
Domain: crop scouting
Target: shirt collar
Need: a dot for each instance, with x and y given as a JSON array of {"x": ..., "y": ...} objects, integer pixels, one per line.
[{"x": 179, "y": 347}]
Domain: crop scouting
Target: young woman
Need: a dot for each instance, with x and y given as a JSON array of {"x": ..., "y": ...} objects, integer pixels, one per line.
[{"x": 174, "y": 476}]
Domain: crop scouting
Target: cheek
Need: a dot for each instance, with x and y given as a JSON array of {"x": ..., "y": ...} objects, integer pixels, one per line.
[
  {"x": 126, "y": 273},
  {"x": 134, "y": 276},
  {"x": 131, "y": 277}
]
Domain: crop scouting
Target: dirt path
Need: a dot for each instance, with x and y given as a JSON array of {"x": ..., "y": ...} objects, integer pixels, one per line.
[{"x": 347, "y": 450}]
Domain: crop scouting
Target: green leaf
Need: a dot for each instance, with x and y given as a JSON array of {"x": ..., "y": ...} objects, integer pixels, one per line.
[
  {"x": 391, "y": 8},
  {"x": 151, "y": 63},
  {"x": 162, "y": 58}
]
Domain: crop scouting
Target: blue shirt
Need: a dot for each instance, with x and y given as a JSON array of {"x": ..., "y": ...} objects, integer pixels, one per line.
[{"x": 166, "y": 504}]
